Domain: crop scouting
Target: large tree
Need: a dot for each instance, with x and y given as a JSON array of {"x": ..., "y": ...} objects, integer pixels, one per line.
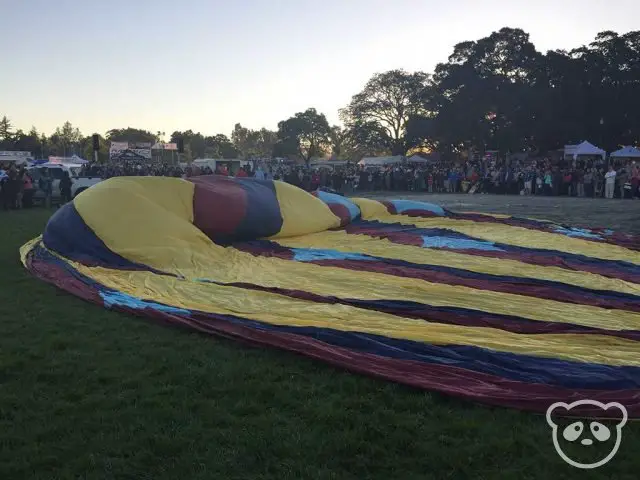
[
  {"x": 306, "y": 134},
  {"x": 253, "y": 143},
  {"x": 499, "y": 92},
  {"x": 483, "y": 96},
  {"x": 265, "y": 140},
  {"x": 339, "y": 138},
  {"x": 609, "y": 81},
  {"x": 6, "y": 135},
  {"x": 221, "y": 147},
  {"x": 244, "y": 140},
  {"x": 378, "y": 116},
  {"x": 87, "y": 148},
  {"x": 66, "y": 140},
  {"x": 131, "y": 135},
  {"x": 28, "y": 142}
]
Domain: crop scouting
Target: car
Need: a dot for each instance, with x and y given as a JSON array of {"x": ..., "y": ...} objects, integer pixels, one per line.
[{"x": 56, "y": 171}]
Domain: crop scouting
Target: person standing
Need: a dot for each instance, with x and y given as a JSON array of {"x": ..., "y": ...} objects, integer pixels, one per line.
[
  {"x": 548, "y": 183},
  {"x": 579, "y": 179},
  {"x": 45, "y": 183},
  {"x": 635, "y": 181},
  {"x": 609, "y": 182},
  {"x": 622, "y": 179},
  {"x": 65, "y": 188},
  {"x": 528, "y": 182},
  {"x": 19, "y": 188},
  {"x": 12, "y": 187},
  {"x": 27, "y": 188},
  {"x": 587, "y": 181}
]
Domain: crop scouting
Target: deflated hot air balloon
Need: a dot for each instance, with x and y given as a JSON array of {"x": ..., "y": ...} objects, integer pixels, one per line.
[{"x": 497, "y": 309}]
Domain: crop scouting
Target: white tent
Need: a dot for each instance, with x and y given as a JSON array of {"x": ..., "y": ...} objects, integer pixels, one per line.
[
  {"x": 328, "y": 163},
  {"x": 17, "y": 157},
  {"x": 626, "y": 152},
  {"x": 377, "y": 161},
  {"x": 73, "y": 159},
  {"x": 420, "y": 159},
  {"x": 586, "y": 148},
  {"x": 77, "y": 159}
]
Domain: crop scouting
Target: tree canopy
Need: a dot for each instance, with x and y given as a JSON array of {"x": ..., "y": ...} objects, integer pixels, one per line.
[
  {"x": 378, "y": 116},
  {"x": 500, "y": 93},
  {"x": 495, "y": 93},
  {"x": 306, "y": 134},
  {"x": 253, "y": 143},
  {"x": 131, "y": 135}
]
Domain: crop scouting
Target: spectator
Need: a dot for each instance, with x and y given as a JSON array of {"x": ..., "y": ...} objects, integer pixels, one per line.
[
  {"x": 65, "y": 188},
  {"x": 27, "y": 188},
  {"x": 45, "y": 183},
  {"x": 610, "y": 182},
  {"x": 635, "y": 180}
]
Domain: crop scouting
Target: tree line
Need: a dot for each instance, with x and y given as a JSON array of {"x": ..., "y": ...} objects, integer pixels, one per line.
[{"x": 496, "y": 93}]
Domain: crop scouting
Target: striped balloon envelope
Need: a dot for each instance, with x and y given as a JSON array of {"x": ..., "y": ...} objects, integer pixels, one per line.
[{"x": 493, "y": 308}]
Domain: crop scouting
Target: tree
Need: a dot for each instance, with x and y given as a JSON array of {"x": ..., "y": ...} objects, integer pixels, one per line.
[
  {"x": 87, "y": 148},
  {"x": 243, "y": 140},
  {"x": 377, "y": 117},
  {"x": 198, "y": 146},
  {"x": 44, "y": 145},
  {"x": 5, "y": 131},
  {"x": 65, "y": 140},
  {"x": 337, "y": 137},
  {"x": 252, "y": 143},
  {"x": 499, "y": 92},
  {"x": 131, "y": 135},
  {"x": 36, "y": 143},
  {"x": 307, "y": 132},
  {"x": 285, "y": 148},
  {"x": 69, "y": 134},
  {"x": 221, "y": 147},
  {"x": 27, "y": 142},
  {"x": 483, "y": 96},
  {"x": 608, "y": 74},
  {"x": 265, "y": 141}
]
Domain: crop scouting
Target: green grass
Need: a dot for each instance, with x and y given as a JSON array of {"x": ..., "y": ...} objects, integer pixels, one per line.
[{"x": 87, "y": 393}]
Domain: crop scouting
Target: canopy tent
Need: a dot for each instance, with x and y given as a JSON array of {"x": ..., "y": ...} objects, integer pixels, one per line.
[
  {"x": 56, "y": 165},
  {"x": 626, "y": 152},
  {"x": 17, "y": 157},
  {"x": 422, "y": 159},
  {"x": 77, "y": 159},
  {"x": 377, "y": 161},
  {"x": 38, "y": 161},
  {"x": 584, "y": 148},
  {"x": 329, "y": 163},
  {"x": 73, "y": 159}
]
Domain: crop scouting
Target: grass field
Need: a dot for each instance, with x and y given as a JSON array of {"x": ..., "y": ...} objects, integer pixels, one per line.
[{"x": 89, "y": 394}]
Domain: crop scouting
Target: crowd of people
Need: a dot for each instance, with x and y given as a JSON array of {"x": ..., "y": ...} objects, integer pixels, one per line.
[
  {"x": 18, "y": 189},
  {"x": 131, "y": 168},
  {"x": 588, "y": 178},
  {"x": 582, "y": 178}
]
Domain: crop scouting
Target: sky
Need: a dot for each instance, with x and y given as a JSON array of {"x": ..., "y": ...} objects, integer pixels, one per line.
[{"x": 206, "y": 65}]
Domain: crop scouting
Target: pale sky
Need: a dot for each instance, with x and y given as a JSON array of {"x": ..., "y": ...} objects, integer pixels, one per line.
[{"x": 207, "y": 64}]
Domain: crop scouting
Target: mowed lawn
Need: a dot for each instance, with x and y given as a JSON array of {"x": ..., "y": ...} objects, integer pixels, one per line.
[{"x": 90, "y": 394}]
